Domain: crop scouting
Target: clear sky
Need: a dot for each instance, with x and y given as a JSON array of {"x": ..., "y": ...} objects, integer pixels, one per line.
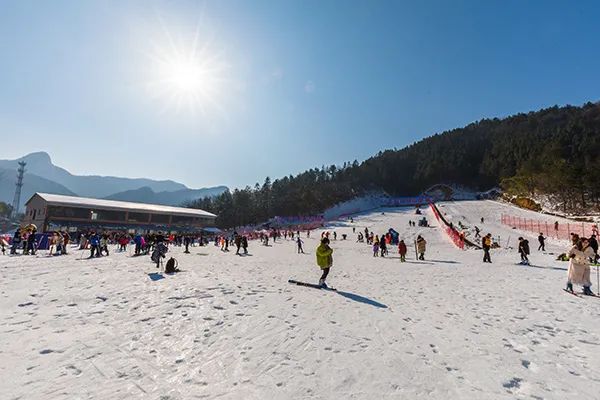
[{"x": 229, "y": 92}]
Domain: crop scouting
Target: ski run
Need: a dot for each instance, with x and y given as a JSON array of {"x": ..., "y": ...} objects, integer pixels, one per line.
[{"x": 232, "y": 327}]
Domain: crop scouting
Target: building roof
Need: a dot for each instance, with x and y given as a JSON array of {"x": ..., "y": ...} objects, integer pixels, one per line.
[{"x": 73, "y": 201}]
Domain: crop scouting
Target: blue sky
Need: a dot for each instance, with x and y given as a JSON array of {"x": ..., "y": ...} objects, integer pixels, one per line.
[{"x": 285, "y": 85}]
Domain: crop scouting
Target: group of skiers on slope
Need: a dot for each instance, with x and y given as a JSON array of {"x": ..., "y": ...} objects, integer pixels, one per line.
[
  {"x": 380, "y": 245},
  {"x": 523, "y": 248},
  {"x": 324, "y": 253},
  {"x": 583, "y": 252}
]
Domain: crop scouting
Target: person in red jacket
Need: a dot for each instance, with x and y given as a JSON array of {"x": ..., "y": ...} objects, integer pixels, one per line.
[{"x": 402, "y": 250}]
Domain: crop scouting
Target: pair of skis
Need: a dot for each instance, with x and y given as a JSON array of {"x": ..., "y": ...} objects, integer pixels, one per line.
[
  {"x": 311, "y": 285},
  {"x": 581, "y": 295}
]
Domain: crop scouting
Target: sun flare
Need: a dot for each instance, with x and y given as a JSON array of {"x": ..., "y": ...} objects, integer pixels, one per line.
[{"x": 188, "y": 74}]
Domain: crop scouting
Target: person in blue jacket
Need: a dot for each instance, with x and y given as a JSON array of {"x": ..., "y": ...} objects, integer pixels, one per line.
[
  {"x": 94, "y": 245},
  {"x": 138, "y": 244}
]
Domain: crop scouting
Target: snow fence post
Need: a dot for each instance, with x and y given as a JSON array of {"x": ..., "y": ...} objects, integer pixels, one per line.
[{"x": 546, "y": 228}]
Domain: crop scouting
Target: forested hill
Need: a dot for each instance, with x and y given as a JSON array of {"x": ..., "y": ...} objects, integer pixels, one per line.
[{"x": 554, "y": 150}]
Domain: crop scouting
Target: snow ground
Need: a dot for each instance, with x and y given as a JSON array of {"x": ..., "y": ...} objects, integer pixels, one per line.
[{"x": 231, "y": 327}]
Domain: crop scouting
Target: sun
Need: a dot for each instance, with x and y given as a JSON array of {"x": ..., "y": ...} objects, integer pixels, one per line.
[
  {"x": 185, "y": 76},
  {"x": 188, "y": 73}
]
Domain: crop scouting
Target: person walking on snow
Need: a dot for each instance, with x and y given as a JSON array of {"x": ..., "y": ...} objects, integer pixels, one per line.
[
  {"x": 245, "y": 244},
  {"x": 594, "y": 245},
  {"x": 383, "y": 246},
  {"x": 421, "y": 247},
  {"x": 486, "y": 244},
  {"x": 402, "y": 250},
  {"x": 524, "y": 250},
  {"x": 324, "y": 260},
  {"x": 299, "y": 243},
  {"x": 477, "y": 232},
  {"x": 579, "y": 266},
  {"x": 16, "y": 241},
  {"x": 542, "y": 241},
  {"x": 94, "y": 245},
  {"x": 376, "y": 248}
]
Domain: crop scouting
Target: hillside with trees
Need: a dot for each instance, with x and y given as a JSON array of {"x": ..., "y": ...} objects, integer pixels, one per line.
[{"x": 552, "y": 152}]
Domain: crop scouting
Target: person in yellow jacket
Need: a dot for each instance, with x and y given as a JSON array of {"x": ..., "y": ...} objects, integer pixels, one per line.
[
  {"x": 486, "y": 244},
  {"x": 324, "y": 259}
]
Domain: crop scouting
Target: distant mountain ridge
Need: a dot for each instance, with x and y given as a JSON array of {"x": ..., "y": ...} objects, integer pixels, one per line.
[
  {"x": 147, "y": 195},
  {"x": 43, "y": 176}
]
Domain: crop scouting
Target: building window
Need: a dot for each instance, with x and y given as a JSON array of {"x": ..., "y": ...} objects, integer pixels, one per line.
[
  {"x": 160, "y": 218},
  {"x": 139, "y": 217},
  {"x": 182, "y": 220},
  {"x": 68, "y": 212},
  {"x": 110, "y": 215}
]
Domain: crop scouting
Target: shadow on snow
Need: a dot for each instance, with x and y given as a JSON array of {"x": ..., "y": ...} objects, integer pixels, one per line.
[{"x": 361, "y": 299}]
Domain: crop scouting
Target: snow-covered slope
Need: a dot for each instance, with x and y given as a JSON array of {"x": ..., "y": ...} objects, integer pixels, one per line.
[{"x": 231, "y": 327}]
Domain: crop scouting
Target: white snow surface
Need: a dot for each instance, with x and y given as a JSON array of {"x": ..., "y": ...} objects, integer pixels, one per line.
[{"x": 231, "y": 327}]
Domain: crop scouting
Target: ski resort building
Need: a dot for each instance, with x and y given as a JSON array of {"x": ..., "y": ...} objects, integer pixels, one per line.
[{"x": 58, "y": 212}]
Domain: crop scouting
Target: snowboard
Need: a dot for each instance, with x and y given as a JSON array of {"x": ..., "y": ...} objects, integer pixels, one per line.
[{"x": 312, "y": 285}]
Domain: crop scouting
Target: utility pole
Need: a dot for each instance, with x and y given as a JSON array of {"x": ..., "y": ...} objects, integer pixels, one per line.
[{"x": 19, "y": 186}]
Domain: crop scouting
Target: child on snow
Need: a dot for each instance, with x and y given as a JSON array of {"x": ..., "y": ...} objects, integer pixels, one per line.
[
  {"x": 402, "y": 250},
  {"x": 376, "y": 248},
  {"x": 324, "y": 259}
]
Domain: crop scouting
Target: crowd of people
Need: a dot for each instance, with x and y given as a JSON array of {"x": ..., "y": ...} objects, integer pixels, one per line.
[{"x": 583, "y": 252}]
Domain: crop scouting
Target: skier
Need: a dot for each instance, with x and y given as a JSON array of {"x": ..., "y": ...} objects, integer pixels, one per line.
[
  {"x": 299, "y": 243},
  {"x": 477, "y": 232},
  {"x": 482, "y": 220},
  {"x": 486, "y": 244},
  {"x": 421, "y": 247},
  {"x": 402, "y": 250},
  {"x": 324, "y": 260},
  {"x": 334, "y": 235},
  {"x": 542, "y": 241},
  {"x": 579, "y": 267},
  {"x": 524, "y": 250}
]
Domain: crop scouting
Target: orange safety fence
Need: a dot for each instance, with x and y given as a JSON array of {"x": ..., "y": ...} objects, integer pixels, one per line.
[{"x": 553, "y": 229}]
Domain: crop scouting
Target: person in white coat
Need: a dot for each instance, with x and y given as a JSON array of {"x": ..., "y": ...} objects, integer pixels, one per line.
[{"x": 579, "y": 266}]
